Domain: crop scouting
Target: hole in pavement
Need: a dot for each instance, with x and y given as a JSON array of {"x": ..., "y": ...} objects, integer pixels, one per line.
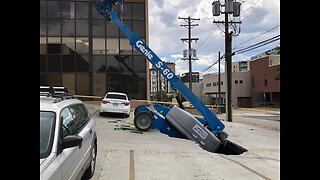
[{"x": 230, "y": 148}]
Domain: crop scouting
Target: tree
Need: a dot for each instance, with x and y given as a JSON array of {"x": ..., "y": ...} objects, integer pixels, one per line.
[{"x": 162, "y": 96}]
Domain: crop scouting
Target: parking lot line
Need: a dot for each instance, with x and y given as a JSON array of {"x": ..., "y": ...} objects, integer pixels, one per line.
[{"x": 131, "y": 172}]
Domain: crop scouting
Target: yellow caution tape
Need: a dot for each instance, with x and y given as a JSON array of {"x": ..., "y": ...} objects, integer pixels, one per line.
[
  {"x": 95, "y": 97},
  {"x": 137, "y": 100}
]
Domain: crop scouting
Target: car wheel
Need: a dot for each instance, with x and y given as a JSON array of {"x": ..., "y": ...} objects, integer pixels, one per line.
[{"x": 90, "y": 170}]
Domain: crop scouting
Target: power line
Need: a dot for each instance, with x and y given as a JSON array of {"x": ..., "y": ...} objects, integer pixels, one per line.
[
  {"x": 256, "y": 36},
  {"x": 250, "y": 7},
  {"x": 203, "y": 71},
  {"x": 212, "y": 31},
  {"x": 204, "y": 47},
  {"x": 246, "y": 49},
  {"x": 257, "y": 45}
]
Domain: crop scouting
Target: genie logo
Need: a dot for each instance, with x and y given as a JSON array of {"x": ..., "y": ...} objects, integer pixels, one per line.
[
  {"x": 200, "y": 131},
  {"x": 142, "y": 48}
]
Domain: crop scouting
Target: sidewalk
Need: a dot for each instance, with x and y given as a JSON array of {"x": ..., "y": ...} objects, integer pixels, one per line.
[{"x": 263, "y": 109}]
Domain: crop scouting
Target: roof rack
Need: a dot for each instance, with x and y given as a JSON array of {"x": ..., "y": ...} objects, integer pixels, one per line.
[{"x": 60, "y": 93}]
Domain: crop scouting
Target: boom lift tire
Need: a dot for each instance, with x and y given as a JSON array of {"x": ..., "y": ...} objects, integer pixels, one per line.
[
  {"x": 135, "y": 112},
  {"x": 143, "y": 121}
]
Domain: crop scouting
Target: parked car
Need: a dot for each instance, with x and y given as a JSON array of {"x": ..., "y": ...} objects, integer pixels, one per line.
[
  {"x": 115, "y": 102},
  {"x": 68, "y": 138}
]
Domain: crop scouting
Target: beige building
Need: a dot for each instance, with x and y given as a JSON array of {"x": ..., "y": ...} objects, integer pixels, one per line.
[
  {"x": 241, "y": 66},
  {"x": 241, "y": 89},
  {"x": 197, "y": 88}
]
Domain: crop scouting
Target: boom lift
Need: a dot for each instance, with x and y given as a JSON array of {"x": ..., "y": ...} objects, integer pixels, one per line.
[{"x": 207, "y": 131}]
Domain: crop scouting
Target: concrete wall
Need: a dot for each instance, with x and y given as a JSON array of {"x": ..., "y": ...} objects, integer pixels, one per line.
[
  {"x": 197, "y": 90},
  {"x": 240, "y": 85}
]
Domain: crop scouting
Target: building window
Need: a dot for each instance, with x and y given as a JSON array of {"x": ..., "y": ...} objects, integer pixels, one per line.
[
  {"x": 265, "y": 80},
  {"x": 252, "y": 80},
  {"x": 221, "y": 83},
  {"x": 277, "y": 77},
  {"x": 76, "y": 41},
  {"x": 240, "y": 81},
  {"x": 236, "y": 81}
]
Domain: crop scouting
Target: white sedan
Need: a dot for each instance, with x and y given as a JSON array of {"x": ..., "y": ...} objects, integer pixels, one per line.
[{"x": 115, "y": 102}]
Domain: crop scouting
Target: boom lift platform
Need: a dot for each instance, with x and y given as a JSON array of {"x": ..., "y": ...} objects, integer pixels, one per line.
[{"x": 207, "y": 131}]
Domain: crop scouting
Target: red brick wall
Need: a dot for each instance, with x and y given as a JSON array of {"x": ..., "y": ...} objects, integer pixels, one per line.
[{"x": 259, "y": 69}]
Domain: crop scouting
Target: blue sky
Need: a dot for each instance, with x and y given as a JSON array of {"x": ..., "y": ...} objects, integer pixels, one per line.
[{"x": 260, "y": 21}]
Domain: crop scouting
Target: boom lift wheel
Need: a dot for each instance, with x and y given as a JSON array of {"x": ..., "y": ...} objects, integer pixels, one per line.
[
  {"x": 143, "y": 121},
  {"x": 136, "y": 110}
]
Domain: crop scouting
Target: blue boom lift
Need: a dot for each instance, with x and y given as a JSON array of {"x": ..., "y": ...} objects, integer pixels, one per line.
[{"x": 174, "y": 121}]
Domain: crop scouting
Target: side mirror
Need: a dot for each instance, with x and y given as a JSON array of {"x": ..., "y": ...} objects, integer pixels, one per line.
[{"x": 71, "y": 141}]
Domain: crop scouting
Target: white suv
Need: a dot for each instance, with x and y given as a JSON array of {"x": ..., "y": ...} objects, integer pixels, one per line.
[{"x": 68, "y": 139}]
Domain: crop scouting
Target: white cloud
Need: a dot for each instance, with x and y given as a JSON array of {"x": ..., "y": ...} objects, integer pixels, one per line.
[
  {"x": 176, "y": 56},
  {"x": 165, "y": 30}
]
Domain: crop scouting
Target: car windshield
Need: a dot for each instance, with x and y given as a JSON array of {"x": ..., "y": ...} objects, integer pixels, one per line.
[
  {"x": 47, "y": 120},
  {"x": 116, "y": 96}
]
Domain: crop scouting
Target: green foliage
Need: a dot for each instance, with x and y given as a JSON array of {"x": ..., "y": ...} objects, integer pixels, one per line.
[{"x": 162, "y": 96}]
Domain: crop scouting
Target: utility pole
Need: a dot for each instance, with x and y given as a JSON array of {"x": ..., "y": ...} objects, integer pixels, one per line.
[
  {"x": 219, "y": 85},
  {"x": 228, "y": 68},
  {"x": 230, "y": 7},
  {"x": 189, "y": 40}
]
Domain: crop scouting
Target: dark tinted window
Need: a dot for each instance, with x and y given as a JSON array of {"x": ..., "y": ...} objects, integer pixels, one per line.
[
  {"x": 68, "y": 63},
  {"x": 99, "y": 28},
  {"x": 54, "y": 63},
  {"x": 112, "y": 82},
  {"x": 126, "y": 62},
  {"x": 127, "y": 83},
  {"x": 112, "y": 29},
  {"x": 82, "y": 28},
  {"x": 139, "y": 63},
  {"x": 99, "y": 64},
  {"x": 82, "y": 10},
  {"x": 68, "y": 9},
  {"x": 112, "y": 63},
  {"x": 54, "y": 9},
  {"x": 43, "y": 9},
  {"x": 82, "y": 63},
  {"x": 43, "y": 63},
  {"x": 96, "y": 14},
  {"x": 116, "y": 96},
  {"x": 43, "y": 28},
  {"x": 127, "y": 11},
  {"x": 68, "y": 27},
  {"x": 139, "y": 28},
  {"x": 138, "y": 12},
  {"x": 54, "y": 27}
]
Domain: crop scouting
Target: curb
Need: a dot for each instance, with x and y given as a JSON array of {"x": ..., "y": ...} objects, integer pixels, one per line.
[{"x": 260, "y": 110}]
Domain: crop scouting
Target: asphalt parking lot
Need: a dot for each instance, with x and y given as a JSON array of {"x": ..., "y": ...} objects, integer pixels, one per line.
[{"x": 123, "y": 154}]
